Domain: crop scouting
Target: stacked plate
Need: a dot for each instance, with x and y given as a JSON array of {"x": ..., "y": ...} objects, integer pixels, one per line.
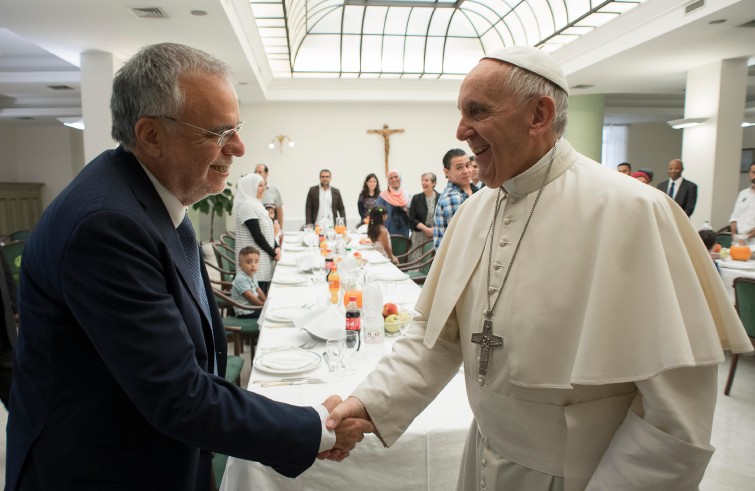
[
  {"x": 285, "y": 315},
  {"x": 290, "y": 279},
  {"x": 378, "y": 260}
]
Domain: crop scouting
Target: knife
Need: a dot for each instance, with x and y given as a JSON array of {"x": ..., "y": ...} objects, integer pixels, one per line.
[
  {"x": 294, "y": 382},
  {"x": 287, "y": 379}
]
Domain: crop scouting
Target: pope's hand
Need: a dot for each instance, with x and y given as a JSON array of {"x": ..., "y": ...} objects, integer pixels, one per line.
[{"x": 350, "y": 422}]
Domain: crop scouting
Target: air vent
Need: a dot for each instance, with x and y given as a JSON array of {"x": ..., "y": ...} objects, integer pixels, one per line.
[
  {"x": 60, "y": 87},
  {"x": 149, "y": 12},
  {"x": 692, "y": 6},
  {"x": 749, "y": 24}
]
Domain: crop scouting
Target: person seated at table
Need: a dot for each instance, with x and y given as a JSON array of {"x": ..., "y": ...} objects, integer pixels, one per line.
[
  {"x": 369, "y": 195},
  {"x": 378, "y": 234},
  {"x": 246, "y": 290},
  {"x": 709, "y": 239}
]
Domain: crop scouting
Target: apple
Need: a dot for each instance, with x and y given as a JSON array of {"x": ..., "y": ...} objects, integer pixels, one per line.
[
  {"x": 717, "y": 248},
  {"x": 389, "y": 309},
  {"x": 391, "y": 319}
]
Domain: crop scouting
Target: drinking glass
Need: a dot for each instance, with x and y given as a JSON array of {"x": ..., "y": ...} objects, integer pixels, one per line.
[
  {"x": 389, "y": 288},
  {"x": 335, "y": 348},
  {"x": 351, "y": 345}
]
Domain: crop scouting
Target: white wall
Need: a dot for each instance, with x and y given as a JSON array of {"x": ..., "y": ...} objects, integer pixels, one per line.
[
  {"x": 334, "y": 136},
  {"x": 652, "y": 146}
]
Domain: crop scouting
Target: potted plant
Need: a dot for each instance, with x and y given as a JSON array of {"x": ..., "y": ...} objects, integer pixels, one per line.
[{"x": 216, "y": 204}]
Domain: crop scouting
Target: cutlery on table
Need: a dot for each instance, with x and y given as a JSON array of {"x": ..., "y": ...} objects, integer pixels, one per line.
[{"x": 293, "y": 382}]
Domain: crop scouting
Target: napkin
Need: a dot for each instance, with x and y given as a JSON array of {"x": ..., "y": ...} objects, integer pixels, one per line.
[
  {"x": 306, "y": 263},
  {"x": 325, "y": 323}
]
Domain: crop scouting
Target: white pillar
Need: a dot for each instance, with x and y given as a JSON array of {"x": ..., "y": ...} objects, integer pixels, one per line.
[
  {"x": 711, "y": 153},
  {"x": 96, "y": 87},
  {"x": 585, "y": 127}
]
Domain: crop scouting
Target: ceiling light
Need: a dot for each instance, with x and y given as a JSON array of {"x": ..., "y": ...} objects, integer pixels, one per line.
[
  {"x": 678, "y": 124},
  {"x": 746, "y": 123},
  {"x": 74, "y": 122}
]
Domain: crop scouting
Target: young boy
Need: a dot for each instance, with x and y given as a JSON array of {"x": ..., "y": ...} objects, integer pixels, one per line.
[{"x": 246, "y": 290}]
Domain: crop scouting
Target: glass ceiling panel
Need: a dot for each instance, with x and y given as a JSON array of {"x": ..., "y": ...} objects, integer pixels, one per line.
[{"x": 415, "y": 38}]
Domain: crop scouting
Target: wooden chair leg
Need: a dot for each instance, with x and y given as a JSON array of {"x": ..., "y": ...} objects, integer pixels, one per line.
[{"x": 732, "y": 369}]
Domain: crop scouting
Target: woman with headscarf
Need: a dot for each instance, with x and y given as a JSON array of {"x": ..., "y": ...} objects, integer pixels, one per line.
[
  {"x": 396, "y": 202},
  {"x": 254, "y": 226}
]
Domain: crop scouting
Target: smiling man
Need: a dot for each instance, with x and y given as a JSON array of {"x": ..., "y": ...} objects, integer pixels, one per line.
[
  {"x": 532, "y": 291},
  {"x": 456, "y": 167},
  {"x": 121, "y": 354}
]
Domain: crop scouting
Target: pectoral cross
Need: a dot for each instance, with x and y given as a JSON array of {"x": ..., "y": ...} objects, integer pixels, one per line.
[
  {"x": 386, "y": 133},
  {"x": 486, "y": 340}
]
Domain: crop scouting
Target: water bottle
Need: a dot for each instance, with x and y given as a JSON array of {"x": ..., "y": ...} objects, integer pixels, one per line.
[{"x": 372, "y": 310}]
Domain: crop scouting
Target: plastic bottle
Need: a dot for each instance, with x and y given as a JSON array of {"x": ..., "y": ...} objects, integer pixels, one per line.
[
  {"x": 372, "y": 314},
  {"x": 353, "y": 315},
  {"x": 334, "y": 285}
]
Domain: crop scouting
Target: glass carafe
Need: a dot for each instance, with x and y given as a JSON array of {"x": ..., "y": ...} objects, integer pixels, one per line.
[{"x": 355, "y": 285}]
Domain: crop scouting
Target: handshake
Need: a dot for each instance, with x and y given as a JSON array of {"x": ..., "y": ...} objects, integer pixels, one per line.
[{"x": 350, "y": 421}]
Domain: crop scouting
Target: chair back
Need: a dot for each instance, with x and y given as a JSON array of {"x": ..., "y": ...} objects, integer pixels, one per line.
[
  {"x": 228, "y": 240},
  {"x": 13, "y": 251},
  {"x": 225, "y": 259},
  {"x": 723, "y": 238},
  {"x": 400, "y": 245},
  {"x": 428, "y": 262},
  {"x": 744, "y": 294}
]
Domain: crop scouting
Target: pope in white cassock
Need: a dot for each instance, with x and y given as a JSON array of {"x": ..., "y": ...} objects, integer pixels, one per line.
[{"x": 584, "y": 308}]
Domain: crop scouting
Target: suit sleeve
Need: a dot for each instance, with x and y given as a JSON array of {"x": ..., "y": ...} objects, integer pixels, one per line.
[
  {"x": 144, "y": 329},
  {"x": 309, "y": 211},
  {"x": 663, "y": 444},
  {"x": 689, "y": 205}
]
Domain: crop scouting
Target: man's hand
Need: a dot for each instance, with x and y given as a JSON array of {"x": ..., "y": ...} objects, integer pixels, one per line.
[{"x": 350, "y": 422}]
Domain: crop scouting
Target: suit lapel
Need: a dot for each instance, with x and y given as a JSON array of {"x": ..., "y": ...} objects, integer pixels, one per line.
[{"x": 155, "y": 209}]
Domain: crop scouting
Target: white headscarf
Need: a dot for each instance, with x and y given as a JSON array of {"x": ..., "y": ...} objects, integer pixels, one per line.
[{"x": 246, "y": 191}]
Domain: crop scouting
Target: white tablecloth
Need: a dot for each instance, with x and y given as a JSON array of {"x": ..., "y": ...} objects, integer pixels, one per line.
[{"x": 426, "y": 457}]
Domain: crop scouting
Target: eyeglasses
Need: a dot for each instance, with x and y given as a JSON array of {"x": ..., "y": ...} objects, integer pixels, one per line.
[{"x": 222, "y": 137}]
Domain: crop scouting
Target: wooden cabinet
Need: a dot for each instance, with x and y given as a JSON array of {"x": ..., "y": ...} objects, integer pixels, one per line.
[{"x": 20, "y": 206}]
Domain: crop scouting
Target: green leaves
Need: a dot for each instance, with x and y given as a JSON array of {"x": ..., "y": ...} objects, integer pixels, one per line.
[{"x": 216, "y": 204}]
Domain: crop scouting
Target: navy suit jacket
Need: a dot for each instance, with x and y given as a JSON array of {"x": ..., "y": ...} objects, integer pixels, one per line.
[
  {"x": 686, "y": 197},
  {"x": 111, "y": 388}
]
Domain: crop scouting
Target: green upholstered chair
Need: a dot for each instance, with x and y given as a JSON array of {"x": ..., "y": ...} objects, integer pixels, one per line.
[
  {"x": 19, "y": 235},
  {"x": 400, "y": 245},
  {"x": 744, "y": 294},
  {"x": 228, "y": 240},
  {"x": 13, "y": 251},
  {"x": 248, "y": 328},
  {"x": 225, "y": 257},
  {"x": 418, "y": 269},
  {"x": 723, "y": 238}
]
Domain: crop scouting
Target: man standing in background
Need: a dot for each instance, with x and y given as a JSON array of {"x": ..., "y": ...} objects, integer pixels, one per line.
[
  {"x": 624, "y": 168},
  {"x": 742, "y": 219},
  {"x": 272, "y": 195},
  {"x": 324, "y": 203},
  {"x": 682, "y": 191}
]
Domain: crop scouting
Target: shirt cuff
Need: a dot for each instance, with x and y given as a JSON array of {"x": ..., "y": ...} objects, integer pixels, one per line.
[{"x": 328, "y": 438}]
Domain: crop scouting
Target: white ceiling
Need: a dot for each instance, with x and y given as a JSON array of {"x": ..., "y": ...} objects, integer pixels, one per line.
[{"x": 639, "y": 61}]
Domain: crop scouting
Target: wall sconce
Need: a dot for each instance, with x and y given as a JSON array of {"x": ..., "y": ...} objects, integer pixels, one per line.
[
  {"x": 281, "y": 139},
  {"x": 74, "y": 122},
  {"x": 678, "y": 124}
]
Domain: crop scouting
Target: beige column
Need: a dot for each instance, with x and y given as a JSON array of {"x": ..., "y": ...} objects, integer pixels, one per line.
[
  {"x": 711, "y": 153},
  {"x": 585, "y": 128},
  {"x": 97, "y": 72}
]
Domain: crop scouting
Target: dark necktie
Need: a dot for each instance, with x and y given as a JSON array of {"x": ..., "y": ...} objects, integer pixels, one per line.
[
  {"x": 671, "y": 189},
  {"x": 191, "y": 249}
]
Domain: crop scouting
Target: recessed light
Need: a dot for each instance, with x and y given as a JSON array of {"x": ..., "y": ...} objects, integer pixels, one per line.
[{"x": 198, "y": 12}]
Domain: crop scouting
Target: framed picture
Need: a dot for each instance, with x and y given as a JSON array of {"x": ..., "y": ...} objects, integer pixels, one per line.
[{"x": 748, "y": 157}]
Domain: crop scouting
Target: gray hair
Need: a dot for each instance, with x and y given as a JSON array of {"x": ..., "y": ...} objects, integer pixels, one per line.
[
  {"x": 149, "y": 85},
  {"x": 430, "y": 176},
  {"x": 527, "y": 85}
]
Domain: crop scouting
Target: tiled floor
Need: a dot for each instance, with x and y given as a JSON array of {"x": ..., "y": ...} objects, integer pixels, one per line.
[{"x": 730, "y": 469}]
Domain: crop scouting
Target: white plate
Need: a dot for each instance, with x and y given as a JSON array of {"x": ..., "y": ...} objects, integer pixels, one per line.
[
  {"x": 364, "y": 247},
  {"x": 281, "y": 279},
  {"x": 379, "y": 260},
  {"x": 295, "y": 247},
  {"x": 285, "y": 314},
  {"x": 736, "y": 265},
  {"x": 287, "y": 261},
  {"x": 287, "y": 361}
]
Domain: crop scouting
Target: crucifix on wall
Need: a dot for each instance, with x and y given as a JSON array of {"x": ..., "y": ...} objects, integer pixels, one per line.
[{"x": 386, "y": 134}]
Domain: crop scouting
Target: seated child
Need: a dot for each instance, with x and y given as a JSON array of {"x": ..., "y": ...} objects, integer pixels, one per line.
[
  {"x": 378, "y": 234},
  {"x": 246, "y": 290},
  {"x": 709, "y": 239}
]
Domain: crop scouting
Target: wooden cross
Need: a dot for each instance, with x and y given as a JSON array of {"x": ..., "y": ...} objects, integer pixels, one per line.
[
  {"x": 486, "y": 340},
  {"x": 386, "y": 133}
]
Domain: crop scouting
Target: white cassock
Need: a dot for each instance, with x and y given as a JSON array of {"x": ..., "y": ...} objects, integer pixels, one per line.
[{"x": 613, "y": 320}]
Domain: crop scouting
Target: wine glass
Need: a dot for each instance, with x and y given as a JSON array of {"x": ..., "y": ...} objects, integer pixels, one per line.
[
  {"x": 351, "y": 345},
  {"x": 335, "y": 348},
  {"x": 318, "y": 267}
]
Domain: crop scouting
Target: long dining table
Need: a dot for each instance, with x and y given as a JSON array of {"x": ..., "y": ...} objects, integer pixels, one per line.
[{"x": 426, "y": 457}]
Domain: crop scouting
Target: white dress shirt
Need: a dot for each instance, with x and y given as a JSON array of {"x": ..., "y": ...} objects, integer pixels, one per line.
[{"x": 744, "y": 212}]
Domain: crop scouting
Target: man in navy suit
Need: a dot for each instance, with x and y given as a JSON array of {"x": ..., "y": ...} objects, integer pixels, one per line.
[
  {"x": 682, "y": 191},
  {"x": 119, "y": 365}
]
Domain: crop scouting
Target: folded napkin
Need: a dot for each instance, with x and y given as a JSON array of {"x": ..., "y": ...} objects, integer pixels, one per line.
[
  {"x": 308, "y": 262},
  {"x": 327, "y": 323}
]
